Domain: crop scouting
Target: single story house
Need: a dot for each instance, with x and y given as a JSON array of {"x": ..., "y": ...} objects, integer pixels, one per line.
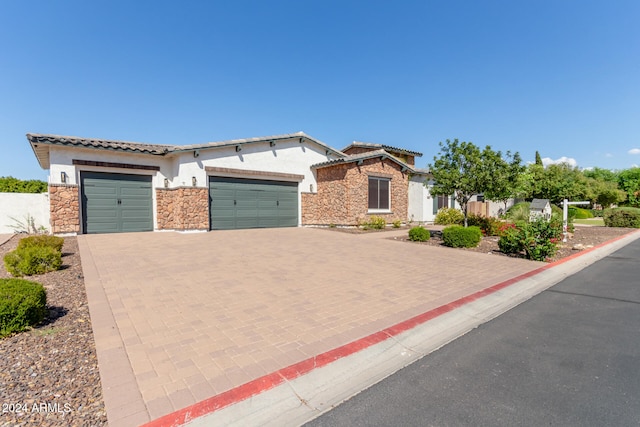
[{"x": 102, "y": 186}]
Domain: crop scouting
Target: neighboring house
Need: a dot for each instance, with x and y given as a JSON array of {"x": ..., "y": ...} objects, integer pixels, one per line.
[
  {"x": 540, "y": 208},
  {"x": 100, "y": 186}
]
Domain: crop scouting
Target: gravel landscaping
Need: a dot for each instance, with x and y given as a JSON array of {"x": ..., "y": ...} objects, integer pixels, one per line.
[
  {"x": 49, "y": 375},
  {"x": 584, "y": 237}
]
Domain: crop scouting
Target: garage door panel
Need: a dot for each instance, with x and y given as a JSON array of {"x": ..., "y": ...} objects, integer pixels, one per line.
[
  {"x": 114, "y": 203},
  {"x": 256, "y": 203}
]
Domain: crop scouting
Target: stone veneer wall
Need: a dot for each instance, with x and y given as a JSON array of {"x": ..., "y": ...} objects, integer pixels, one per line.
[
  {"x": 64, "y": 206},
  {"x": 343, "y": 196},
  {"x": 182, "y": 208}
]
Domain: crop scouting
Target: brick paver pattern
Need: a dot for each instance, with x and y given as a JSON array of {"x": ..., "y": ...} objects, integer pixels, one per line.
[{"x": 198, "y": 314}]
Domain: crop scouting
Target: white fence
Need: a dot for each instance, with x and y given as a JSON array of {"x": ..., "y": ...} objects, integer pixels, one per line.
[{"x": 15, "y": 208}]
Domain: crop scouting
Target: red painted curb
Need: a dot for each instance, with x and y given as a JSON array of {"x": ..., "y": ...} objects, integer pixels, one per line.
[{"x": 296, "y": 370}]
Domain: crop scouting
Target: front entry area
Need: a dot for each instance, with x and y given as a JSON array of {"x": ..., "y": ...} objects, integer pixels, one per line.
[
  {"x": 116, "y": 203},
  {"x": 250, "y": 203}
]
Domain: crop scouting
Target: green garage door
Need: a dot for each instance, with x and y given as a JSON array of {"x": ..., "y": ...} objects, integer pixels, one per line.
[
  {"x": 114, "y": 203},
  {"x": 251, "y": 203}
]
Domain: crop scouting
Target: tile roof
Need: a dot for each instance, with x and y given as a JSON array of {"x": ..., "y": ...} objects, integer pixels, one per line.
[
  {"x": 40, "y": 144},
  {"x": 99, "y": 143},
  {"x": 363, "y": 156},
  {"x": 388, "y": 148}
]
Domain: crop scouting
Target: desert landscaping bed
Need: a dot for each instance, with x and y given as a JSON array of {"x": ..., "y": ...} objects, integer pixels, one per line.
[
  {"x": 583, "y": 237},
  {"x": 49, "y": 375}
]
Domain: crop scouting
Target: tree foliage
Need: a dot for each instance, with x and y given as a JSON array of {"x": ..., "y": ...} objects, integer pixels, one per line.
[
  {"x": 10, "y": 184},
  {"x": 538, "y": 159},
  {"x": 506, "y": 176},
  {"x": 463, "y": 170},
  {"x": 629, "y": 182}
]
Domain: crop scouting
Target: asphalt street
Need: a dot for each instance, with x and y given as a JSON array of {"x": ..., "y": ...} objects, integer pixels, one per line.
[{"x": 568, "y": 357}]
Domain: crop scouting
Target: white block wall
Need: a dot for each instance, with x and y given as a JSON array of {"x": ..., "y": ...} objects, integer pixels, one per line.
[{"x": 19, "y": 205}]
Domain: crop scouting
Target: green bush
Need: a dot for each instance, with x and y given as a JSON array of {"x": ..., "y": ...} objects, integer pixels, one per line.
[
  {"x": 597, "y": 213},
  {"x": 518, "y": 212},
  {"x": 622, "y": 217},
  {"x": 374, "y": 222},
  {"x": 397, "y": 223},
  {"x": 538, "y": 239},
  {"x": 32, "y": 260},
  {"x": 449, "y": 216},
  {"x": 457, "y": 236},
  {"x": 22, "y": 304},
  {"x": 419, "y": 234},
  {"x": 488, "y": 225},
  {"x": 54, "y": 242}
]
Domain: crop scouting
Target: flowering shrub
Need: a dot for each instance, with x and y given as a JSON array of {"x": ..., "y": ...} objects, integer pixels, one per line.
[{"x": 538, "y": 239}]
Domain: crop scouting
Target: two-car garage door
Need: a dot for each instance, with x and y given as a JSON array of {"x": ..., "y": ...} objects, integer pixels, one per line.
[
  {"x": 251, "y": 203},
  {"x": 114, "y": 203}
]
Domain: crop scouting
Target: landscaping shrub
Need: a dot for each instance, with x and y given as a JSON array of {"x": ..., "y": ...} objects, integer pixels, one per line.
[
  {"x": 597, "y": 213},
  {"x": 579, "y": 213},
  {"x": 622, "y": 217},
  {"x": 457, "y": 236},
  {"x": 375, "y": 222},
  {"x": 32, "y": 260},
  {"x": 449, "y": 216},
  {"x": 538, "y": 239},
  {"x": 419, "y": 234},
  {"x": 397, "y": 223},
  {"x": 54, "y": 242},
  {"x": 488, "y": 225},
  {"x": 518, "y": 212},
  {"x": 22, "y": 304}
]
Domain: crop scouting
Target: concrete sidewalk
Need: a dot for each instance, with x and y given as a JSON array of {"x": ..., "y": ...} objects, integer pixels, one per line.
[{"x": 182, "y": 319}]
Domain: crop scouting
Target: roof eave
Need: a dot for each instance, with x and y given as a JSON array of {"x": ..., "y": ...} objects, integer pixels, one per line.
[{"x": 234, "y": 142}]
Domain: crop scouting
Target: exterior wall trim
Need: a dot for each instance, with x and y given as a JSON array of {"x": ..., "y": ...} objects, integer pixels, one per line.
[
  {"x": 238, "y": 173},
  {"x": 114, "y": 165}
]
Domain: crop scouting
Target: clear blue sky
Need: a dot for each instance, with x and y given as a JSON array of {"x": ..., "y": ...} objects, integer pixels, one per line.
[{"x": 561, "y": 77}]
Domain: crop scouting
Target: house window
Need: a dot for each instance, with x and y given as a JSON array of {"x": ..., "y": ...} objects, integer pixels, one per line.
[
  {"x": 379, "y": 194},
  {"x": 443, "y": 202}
]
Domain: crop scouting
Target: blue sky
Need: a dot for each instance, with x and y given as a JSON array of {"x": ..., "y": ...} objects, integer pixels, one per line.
[{"x": 560, "y": 77}]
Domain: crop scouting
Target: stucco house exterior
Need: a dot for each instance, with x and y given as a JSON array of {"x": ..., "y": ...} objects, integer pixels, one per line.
[{"x": 99, "y": 186}]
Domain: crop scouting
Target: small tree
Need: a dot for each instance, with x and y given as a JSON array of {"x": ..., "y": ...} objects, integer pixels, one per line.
[
  {"x": 507, "y": 176},
  {"x": 463, "y": 170},
  {"x": 538, "y": 159}
]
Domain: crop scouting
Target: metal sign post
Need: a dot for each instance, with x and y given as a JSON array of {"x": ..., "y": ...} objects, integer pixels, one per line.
[{"x": 565, "y": 216}]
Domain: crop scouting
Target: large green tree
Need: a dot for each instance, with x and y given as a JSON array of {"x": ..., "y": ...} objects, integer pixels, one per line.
[
  {"x": 463, "y": 170},
  {"x": 556, "y": 182},
  {"x": 629, "y": 182}
]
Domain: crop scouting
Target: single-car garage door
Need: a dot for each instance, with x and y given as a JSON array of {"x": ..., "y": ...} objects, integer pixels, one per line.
[
  {"x": 113, "y": 203},
  {"x": 251, "y": 203}
]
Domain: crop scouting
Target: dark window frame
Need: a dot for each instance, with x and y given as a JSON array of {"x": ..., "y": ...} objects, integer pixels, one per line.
[{"x": 377, "y": 201}]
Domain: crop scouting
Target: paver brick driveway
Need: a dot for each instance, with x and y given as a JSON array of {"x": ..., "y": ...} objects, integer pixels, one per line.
[{"x": 179, "y": 318}]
